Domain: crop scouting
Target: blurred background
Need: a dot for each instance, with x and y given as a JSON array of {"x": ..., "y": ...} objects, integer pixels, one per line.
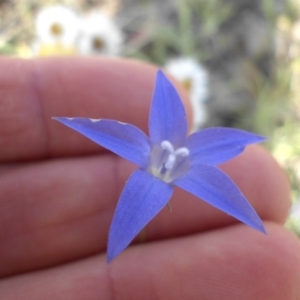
[{"x": 238, "y": 59}]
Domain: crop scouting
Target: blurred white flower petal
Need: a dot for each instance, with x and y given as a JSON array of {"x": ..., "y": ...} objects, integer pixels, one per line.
[
  {"x": 99, "y": 35},
  {"x": 194, "y": 78},
  {"x": 293, "y": 221},
  {"x": 57, "y": 25},
  {"x": 295, "y": 211}
]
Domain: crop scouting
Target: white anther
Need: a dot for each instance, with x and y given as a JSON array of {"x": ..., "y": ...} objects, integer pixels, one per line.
[
  {"x": 95, "y": 120},
  {"x": 166, "y": 145},
  {"x": 182, "y": 151}
]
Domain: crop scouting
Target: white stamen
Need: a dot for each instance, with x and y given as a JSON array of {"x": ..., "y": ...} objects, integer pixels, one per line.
[
  {"x": 170, "y": 161},
  {"x": 183, "y": 151},
  {"x": 167, "y": 146}
]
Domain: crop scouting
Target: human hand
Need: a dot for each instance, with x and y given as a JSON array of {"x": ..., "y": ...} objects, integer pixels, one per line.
[{"x": 58, "y": 192}]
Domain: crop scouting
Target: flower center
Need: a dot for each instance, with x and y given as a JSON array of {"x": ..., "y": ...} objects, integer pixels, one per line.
[
  {"x": 187, "y": 84},
  {"x": 98, "y": 43},
  {"x": 56, "y": 29},
  {"x": 168, "y": 163}
]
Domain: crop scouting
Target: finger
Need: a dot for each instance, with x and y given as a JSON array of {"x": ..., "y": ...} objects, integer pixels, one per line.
[
  {"x": 66, "y": 213},
  {"x": 34, "y": 91},
  {"x": 232, "y": 263}
]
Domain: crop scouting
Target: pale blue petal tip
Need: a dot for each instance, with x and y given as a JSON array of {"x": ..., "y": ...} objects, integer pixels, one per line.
[{"x": 262, "y": 229}]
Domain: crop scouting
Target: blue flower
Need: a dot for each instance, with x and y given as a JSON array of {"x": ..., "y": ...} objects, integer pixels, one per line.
[{"x": 168, "y": 158}]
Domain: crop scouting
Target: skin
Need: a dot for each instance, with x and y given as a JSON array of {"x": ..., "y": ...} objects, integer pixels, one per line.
[{"x": 58, "y": 192}]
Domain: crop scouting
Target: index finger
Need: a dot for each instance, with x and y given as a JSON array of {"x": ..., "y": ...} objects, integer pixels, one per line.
[{"x": 33, "y": 91}]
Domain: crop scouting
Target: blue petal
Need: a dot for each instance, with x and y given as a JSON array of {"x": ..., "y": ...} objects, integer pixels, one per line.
[
  {"x": 142, "y": 198},
  {"x": 213, "y": 146},
  {"x": 123, "y": 139},
  {"x": 217, "y": 189},
  {"x": 167, "y": 119}
]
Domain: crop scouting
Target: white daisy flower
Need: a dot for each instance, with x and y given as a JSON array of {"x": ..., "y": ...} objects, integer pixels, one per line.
[
  {"x": 99, "y": 35},
  {"x": 57, "y": 25},
  {"x": 194, "y": 78}
]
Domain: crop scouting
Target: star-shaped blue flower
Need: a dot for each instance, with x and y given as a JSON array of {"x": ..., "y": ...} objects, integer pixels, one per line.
[{"x": 168, "y": 158}]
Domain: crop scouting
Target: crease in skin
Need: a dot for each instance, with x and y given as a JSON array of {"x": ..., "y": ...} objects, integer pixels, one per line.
[
  {"x": 9, "y": 110},
  {"x": 36, "y": 89},
  {"x": 18, "y": 132},
  {"x": 110, "y": 279}
]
